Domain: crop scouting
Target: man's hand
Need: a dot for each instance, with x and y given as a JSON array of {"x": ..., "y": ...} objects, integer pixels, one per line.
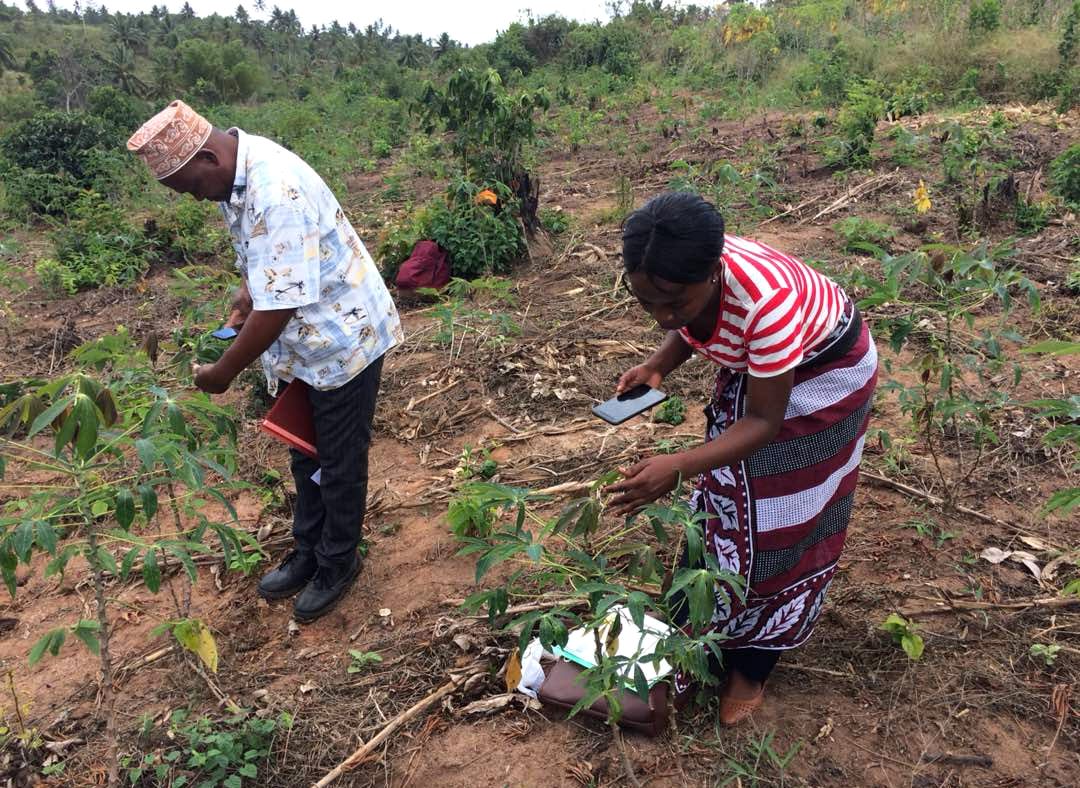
[
  {"x": 644, "y": 483},
  {"x": 211, "y": 378},
  {"x": 240, "y": 308},
  {"x": 635, "y": 376}
]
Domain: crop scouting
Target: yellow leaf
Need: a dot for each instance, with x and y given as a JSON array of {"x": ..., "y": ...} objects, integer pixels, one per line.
[
  {"x": 921, "y": 198},
  {"x": 486, "y": 197},
  {"x": 513, "y": 671},
  {"x": 193, "y": 635}
]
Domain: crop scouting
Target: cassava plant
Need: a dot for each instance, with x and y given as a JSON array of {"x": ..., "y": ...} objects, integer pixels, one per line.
[
  {"x": 598, "y": 563},
  {"x": 934, "y": 297},
  {"x": 134, "y": 474}
]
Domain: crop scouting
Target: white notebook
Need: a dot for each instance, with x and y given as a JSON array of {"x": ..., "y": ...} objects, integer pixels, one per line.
[{"x": 633, "y": 644}]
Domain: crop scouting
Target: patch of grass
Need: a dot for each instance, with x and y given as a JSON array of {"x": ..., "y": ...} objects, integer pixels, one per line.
[{"x": 864, "y": 235}]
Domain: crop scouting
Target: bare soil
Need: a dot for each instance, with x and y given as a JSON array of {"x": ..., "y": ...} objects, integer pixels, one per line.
[{"x": 977, "y": 710}]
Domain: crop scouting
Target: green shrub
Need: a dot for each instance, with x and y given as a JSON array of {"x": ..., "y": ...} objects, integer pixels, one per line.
[
  {"x": 57, "y": 142},
  {"x": 203, "y": 752},
  {"x": 55, "y": 277},
  {"x": 120, "y": 111},
  {"x": 855, "y": 125},
  {"x": 862, "y": 235},
  {"x": 480, "y": 239},
  {"x": 98, "y": 247},
  {"x": 490, "y": 126},
  {"x": 672, "y": 411},
  {"x": 554, "y": 220},
  {"x": 188, "y": 231},
  {"x": 1031, "y": 218},
  {"x": 29, "y": 192},
  {"x": 1065, "y": 175},
  {"x": 984, "y": 16}
]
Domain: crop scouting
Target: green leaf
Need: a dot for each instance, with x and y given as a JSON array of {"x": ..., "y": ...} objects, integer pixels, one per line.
[
  {"x": 184, "y": 557},
  {"x": 248, "y": 770},
  {"x": 107, "y": 561},
  {"x": 636, "y": 603},
  {"x": 912, "y": 645},
  {"x": 8, "y": 563},
  {"x": 87, "y": 414},
  {"x": 1056, "y": 347},
  {"x": 147, "y": 453},
  {"x": 148, "y": 498},
  {"x": 45, "y": 536},
  {"x": 51, "y": 641},
  {"x": 151, "y": 572},
  {"x": 3, "y": 467},
  {"x": 1063, "y": 501},
  {"x": 128, "y": 562},
  {"x": 58, "y": 564},
  {"x": 125, "y": 508},
  {"x": 641, "y": 686},
  {"x": 66, "y": 432},
  {"x": 232, "y": 781},
  {"x": 86, "y": 631},
  {"x": 99, "y": 508},
  {"x": 23, "y": 540},
  {"x": 177, "y": 423},
  {"x": 49, "y": 416},
  {"x": 38, "y": 651}
]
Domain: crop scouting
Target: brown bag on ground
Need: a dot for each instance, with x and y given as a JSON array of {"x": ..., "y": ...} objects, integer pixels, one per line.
[{"x": 562, "y": 690}]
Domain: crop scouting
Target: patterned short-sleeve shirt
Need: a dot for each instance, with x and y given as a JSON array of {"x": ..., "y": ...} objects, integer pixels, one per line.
[{"x": 296, "y": 250}]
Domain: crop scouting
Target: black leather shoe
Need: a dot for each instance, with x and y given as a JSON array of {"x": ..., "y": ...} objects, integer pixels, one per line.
[
  {"x": 324, "y": 591},
  {"x": 289, "y": 578}
]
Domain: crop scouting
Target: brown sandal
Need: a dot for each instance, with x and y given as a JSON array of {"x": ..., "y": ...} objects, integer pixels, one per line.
[{"x": 735, "y": 710}]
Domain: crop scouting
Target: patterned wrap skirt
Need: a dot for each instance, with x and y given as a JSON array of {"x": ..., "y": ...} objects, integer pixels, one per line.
[{"x": 779, "y": 518}]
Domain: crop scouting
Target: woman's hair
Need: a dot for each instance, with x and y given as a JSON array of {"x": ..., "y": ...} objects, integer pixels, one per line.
[{"x": 675, "y": 236}]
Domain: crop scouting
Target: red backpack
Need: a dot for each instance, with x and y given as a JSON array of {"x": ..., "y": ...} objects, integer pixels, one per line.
[{"x": 427, "y": 266}]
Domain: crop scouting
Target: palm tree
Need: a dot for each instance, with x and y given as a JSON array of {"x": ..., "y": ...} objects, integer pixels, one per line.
[
  {"x": 126, "y": 32},
  {"x": 163, "y": 75},
  {"x": 444, "y": 45},
  {"x": 168, "y": 32},
  {"x": 7, "y": 55},
  {"x": 413, "y": 52},
  {"x": 120, "y": 68}
]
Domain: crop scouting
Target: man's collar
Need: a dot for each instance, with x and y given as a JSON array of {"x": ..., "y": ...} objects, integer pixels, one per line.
[{"x": 239, "y": 188}]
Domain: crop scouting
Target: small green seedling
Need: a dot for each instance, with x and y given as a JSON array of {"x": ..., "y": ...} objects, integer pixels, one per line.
[
  {"x": 362, "y": 660},
  {"x": 672, "y": 412},
  {"x": 903, "y": 632},
  {"x": 1046, "y": 652}
]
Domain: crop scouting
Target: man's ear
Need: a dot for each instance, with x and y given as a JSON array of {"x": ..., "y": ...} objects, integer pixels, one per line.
[{"x": 207, "y": 156}]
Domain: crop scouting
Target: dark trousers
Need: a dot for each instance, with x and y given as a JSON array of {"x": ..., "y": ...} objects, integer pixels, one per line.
[{"x": 329, "y": 517}]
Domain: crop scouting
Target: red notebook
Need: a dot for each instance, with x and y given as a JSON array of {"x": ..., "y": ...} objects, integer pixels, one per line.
[{"x": 290, "y": 419}]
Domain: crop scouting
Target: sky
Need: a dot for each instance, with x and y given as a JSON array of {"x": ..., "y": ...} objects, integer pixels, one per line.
[{"x": 467, "y": 21}]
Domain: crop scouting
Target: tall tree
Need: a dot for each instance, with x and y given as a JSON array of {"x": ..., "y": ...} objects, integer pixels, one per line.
[
  {"x": 241, "y": 15},
  {"x": 412, "y": 52},
  {"x": 120, "y": 68},
  {"x": 7, "y": 54}
]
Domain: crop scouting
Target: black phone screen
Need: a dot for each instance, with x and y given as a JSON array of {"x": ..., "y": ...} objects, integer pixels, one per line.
[{"x": 629, "y": 404}]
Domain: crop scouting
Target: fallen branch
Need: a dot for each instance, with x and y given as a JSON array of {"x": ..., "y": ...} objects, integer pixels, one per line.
[
  {"x": 929, "y": 497},
  {"x": 360, "y": 755},
  {"x": 952, "y": 605},
  {"x": 790, "y": 211},
  {"x": 865, "y": 188},
  {"x": 949, "y": 759}
]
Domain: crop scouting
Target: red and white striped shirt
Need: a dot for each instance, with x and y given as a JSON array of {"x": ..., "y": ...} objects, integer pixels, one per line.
[{"x": 773, "y": 310}]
